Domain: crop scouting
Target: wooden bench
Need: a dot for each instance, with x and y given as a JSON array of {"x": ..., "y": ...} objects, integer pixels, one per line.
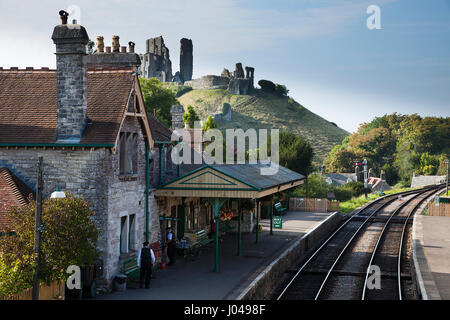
[
  {"x": 194, "y": 249},
  {"x": 279, "y": 209}
]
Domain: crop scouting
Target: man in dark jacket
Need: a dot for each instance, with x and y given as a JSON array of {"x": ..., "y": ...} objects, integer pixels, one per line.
[{"x": 145, "y": 261}]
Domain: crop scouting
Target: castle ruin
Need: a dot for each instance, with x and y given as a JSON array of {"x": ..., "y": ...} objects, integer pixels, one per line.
[{"x": 156, "y": 61}]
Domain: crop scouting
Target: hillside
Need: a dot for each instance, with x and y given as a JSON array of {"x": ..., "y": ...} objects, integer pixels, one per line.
[{"x": 264, "y": 110}]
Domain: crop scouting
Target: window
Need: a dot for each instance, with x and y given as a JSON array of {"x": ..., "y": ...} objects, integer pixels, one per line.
[
  {"x": 124, "y": 234},
  {"x": 128, "y": 153},
  {"x": 132, "y": 233},
  {"x": 127, "y": 233}
]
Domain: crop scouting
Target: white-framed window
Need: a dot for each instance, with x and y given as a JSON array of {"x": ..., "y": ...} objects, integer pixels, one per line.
[
  {"x": 128, "y": 153},
  {"x": 127, "y": 233}
]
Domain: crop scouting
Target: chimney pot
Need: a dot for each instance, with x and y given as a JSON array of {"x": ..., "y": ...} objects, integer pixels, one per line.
[
  {"x": 123, "y": 49},
  {"x": 100, "y": 44},
  {"x": 108, "y": 49},
  {"x": 63, "y": 15},
  {"x": 131, "y": 45},
  {"x": 115, "y": 44}
]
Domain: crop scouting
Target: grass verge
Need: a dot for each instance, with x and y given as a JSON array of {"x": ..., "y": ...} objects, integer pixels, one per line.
[{"x": 356, "y": 202}]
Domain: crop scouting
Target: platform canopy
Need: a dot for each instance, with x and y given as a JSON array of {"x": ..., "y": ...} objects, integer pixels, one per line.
[{"x": 231, "y": 181}]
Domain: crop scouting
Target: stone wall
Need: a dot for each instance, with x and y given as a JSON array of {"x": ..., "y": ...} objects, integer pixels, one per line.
[
  {"x": 126, "y": 196},
  {"x": 262, "y": 286},
  {"x": 94, "y": 176},
  {"x": 209, "y": 82}
]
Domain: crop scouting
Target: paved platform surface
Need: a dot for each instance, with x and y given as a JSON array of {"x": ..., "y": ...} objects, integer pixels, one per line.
[
  {"x": 196, "y": 280},
  {"x": 433, "y": 252}
]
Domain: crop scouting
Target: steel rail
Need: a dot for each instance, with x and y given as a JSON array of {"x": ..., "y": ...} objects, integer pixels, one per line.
[
  {"x": 377, "y": 201},
  {"x": 401, "y": 245},
  {"x": 419, "y": 191},
  {"x": 398, "y": 209}
]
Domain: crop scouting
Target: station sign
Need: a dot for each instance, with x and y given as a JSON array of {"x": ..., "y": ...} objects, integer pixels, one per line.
[{"x": 278, "y": 222}]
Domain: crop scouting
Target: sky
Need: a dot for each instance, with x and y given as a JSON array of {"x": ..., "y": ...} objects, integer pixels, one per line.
[{"x": 322, "y": 50}]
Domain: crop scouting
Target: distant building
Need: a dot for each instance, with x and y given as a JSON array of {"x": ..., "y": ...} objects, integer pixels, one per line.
[{"x": 422, "y": 181}]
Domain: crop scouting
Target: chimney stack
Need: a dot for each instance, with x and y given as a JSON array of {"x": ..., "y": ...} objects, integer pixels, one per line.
[
  {"x": 177, "y": 112},
  {"x": 100, "y": 44},
  {"x": 131, "y": 45},
  {"x": 115, "y": 44},
  {"x": 70, "y": 41},
  {"x": 383, "y": 175}
]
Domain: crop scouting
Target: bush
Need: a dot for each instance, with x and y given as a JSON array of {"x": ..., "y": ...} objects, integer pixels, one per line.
[
  {"x": 281, "y": 90},
  {"x": 267, "y": 85},
  {"x": 69, "y": 237},
  {"x": 190, "y": 117}
]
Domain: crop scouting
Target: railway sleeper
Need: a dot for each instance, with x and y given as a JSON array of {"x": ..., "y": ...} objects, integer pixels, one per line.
[
  {"x": 385, "y": 275},
  {"x": 384, "y": 219}
]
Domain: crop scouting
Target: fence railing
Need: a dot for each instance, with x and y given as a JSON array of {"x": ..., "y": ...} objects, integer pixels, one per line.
[
  {"x": 313, "y": 205},
  {"x": 54, "y": 291},
  {"x": 442, "y": 210}
]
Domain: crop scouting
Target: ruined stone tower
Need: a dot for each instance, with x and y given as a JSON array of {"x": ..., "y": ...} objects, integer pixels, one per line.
[
  {"x": 186, "y": 59},
  {"x": 156, "y": 61}
]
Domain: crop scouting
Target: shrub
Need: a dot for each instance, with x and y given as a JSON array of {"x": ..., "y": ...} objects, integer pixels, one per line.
[
  {"x": 267, "y": 85},
  {"x": 209, "y": 124},
  {"x": 281, "y": 90},
  {"x": 190, "y": 117}
]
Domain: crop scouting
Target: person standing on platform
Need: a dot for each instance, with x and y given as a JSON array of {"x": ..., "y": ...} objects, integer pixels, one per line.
[
  {"x": 171, "y": 246},
  {"x": 145, "y": 261}
]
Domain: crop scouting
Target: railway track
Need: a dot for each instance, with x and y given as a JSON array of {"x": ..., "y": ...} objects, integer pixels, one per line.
[{"x": 374, "y": 236}]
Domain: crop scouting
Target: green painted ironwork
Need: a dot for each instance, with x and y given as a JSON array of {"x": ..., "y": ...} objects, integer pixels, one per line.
[{"x": 271, "y": 218}]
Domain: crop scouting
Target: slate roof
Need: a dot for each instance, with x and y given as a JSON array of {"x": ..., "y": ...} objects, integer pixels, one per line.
[
  {"x": 158, "y": 130},
  {"x": 341, "y": 178},
  {"x": 251, "y": 173},
  {"x": 13, "y": 192},
  {"x": 28, "y": 105}
]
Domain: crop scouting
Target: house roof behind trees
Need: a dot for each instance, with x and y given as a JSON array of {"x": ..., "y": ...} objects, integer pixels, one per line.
[{"x": 13, "y": 193}]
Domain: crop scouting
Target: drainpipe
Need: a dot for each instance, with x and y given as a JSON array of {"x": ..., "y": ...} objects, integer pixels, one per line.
[
  {"x": 161, "y": 151},
  {"x": 147, "y": 186}
]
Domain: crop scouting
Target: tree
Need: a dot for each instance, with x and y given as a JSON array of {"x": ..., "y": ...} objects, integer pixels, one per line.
[
  {"x": 209, "y": 124},
  {"x": 398, "y": 144},
  {"x": 157, "y": 97},
  {"x": 281, "y": 90},
  {"x": 190, "y": 117},
  {"x": 267, "y": 85},
  {"x": 295, "y": 153},
  {"x": 90, "y": 47},
  {"x": 69, "y": 237}
]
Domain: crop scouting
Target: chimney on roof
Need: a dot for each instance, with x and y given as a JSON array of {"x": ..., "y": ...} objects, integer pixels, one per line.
[
  {"x": 131, "y": 45},
  {"x": 115, "y": 43},
  {"x": 383, "y": 175},
  {"x": 177, "y": 112},
  {"x": 70, "y": 41}
]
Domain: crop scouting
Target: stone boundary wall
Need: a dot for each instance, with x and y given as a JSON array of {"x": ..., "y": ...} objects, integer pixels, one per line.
[
  {"x": 209, "y": 82},
  {"x": 261, "y": 287}
]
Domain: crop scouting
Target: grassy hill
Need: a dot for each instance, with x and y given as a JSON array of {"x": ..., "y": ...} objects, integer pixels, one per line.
[{"x": 264, "y": 110}]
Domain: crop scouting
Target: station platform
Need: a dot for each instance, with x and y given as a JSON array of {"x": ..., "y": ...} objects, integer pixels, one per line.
[
  {"x": 196, "y": 280},
  {"x": 431, "y": 252}
]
